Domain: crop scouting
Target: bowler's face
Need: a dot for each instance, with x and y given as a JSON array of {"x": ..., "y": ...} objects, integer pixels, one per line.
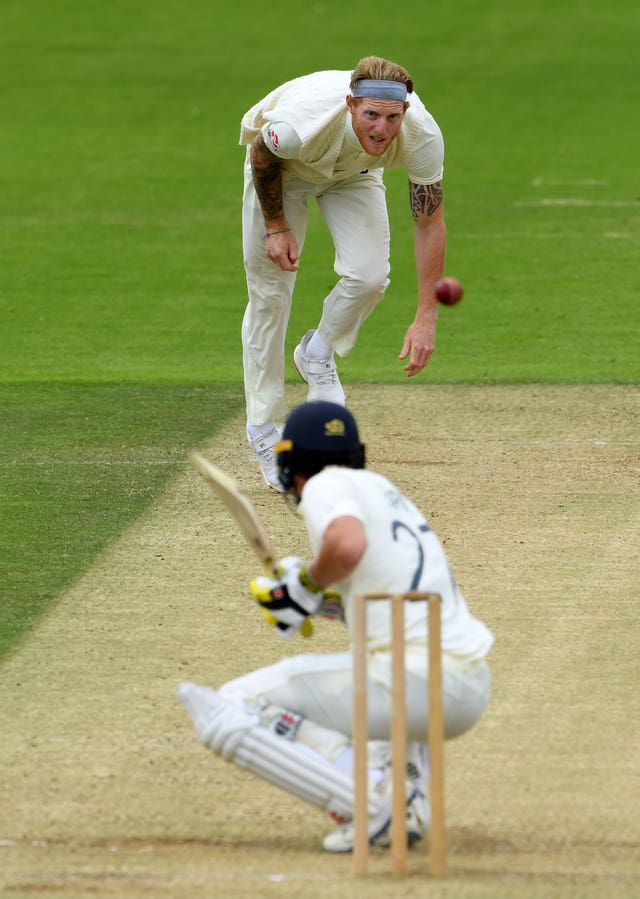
[{"x": 376, "y": 122}]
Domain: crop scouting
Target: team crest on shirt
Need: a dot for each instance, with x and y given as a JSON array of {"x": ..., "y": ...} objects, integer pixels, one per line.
[{"x": 274, "y": 140}]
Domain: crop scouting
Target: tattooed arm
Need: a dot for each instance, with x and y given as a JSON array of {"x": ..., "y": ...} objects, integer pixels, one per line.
[
  {"x": 430, "y": 244},
  {"x": 280, "y": 244}
]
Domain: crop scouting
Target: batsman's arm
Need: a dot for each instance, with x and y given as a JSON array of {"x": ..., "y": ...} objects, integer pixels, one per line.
[{"x": 343, "y": 544}]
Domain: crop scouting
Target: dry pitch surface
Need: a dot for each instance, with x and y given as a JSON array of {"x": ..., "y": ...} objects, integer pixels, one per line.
[{"x": 534, "y": 490}]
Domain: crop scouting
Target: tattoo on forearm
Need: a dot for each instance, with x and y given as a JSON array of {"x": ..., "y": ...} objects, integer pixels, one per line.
[
  {"x": 267, "y": 180},
  {"x": 425, "y": 198}
]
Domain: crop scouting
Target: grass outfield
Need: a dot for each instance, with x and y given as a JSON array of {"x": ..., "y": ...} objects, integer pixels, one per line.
[{"x": 121, "y": 289}]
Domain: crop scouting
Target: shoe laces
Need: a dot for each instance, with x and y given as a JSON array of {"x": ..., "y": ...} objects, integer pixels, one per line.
[
  {"x": 266, "y": 454},
  {"x": 327, "y": 378},
  {"x": 263, "y": 446}
]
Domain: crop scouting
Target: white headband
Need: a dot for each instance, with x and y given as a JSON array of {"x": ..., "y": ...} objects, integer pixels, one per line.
[{"x": 383, "y": 90}]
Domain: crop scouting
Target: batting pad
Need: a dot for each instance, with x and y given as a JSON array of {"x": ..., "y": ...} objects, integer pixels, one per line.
[{"x": 287, "y": 764}]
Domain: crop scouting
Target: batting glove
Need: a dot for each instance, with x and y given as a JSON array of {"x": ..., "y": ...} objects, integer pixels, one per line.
[{"x": 288, "y": 602}]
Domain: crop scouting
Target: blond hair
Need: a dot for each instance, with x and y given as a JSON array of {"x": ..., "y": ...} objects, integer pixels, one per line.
[{"x": 378, "y": 69}]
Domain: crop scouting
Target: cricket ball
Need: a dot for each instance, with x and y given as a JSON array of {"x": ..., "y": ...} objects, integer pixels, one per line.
[{"x": 449, "y": 291}]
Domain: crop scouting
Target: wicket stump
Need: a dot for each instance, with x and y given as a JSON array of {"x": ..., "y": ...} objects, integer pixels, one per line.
[{"x": 435, "y": 734}]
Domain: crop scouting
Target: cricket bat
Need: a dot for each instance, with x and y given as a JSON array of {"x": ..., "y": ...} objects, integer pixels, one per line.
[
  {"x": 239, "y": 505},
  {"x": 242, "y": 509}
]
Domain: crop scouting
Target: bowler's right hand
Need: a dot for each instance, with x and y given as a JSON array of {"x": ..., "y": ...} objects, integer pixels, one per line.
[{"x": 283, "y": 249}]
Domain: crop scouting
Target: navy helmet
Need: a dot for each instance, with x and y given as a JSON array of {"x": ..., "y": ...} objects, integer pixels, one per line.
[{"x": 317, "y": 434}]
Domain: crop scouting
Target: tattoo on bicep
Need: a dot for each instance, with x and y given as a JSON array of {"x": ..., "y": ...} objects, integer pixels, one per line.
[{"x": 425, "y": 198}]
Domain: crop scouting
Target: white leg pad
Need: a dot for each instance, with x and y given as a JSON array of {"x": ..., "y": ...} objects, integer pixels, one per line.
[
  {"x": 305, "y": 774},
  {"x": 233, "y": 732}
]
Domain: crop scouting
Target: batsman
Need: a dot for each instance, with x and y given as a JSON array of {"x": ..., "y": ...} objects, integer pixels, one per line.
[{"x": 291, "y": 722}]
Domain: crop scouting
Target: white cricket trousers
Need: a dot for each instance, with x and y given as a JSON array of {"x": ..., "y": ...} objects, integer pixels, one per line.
[
  {"x": 320, "y": 687},
  {"x": 355, "y": 212}
]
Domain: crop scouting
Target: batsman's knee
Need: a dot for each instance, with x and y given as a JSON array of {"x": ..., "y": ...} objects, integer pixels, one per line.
[{"x": 221, "y": 723}]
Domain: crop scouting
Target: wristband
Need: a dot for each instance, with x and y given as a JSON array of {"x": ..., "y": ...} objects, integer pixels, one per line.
[{"x": 308, "y": 582}]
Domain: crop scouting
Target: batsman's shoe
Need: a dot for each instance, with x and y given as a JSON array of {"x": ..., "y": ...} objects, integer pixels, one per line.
[
  {"x": 262, "y": 446},
  {"x": 342, "y": 839},
  {"x": 322, "y": 377},
  {"x": 418, "y": 819}
]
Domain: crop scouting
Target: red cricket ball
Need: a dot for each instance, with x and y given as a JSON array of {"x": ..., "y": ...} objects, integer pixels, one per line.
[{"x": 449, "y": 291}]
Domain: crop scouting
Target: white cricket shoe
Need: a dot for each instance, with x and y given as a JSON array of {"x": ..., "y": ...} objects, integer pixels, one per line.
[
  {"x": 342, "y": 839},
  {"x": 262, "y": 446},
  {"x": 322, "y": 377},
  {"x": 418, "y": 819},
  {"x": 418, "y": 816}
]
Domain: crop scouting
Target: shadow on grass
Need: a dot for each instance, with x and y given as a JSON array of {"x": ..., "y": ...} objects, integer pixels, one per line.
[{"x": 78, "y": 463}]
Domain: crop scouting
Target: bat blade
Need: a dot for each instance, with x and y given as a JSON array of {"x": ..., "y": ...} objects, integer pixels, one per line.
[{"x": 241, "y": 508}]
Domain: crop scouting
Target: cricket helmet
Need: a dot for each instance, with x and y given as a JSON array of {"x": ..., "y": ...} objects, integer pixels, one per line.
[{"x": 317, "y": 434}]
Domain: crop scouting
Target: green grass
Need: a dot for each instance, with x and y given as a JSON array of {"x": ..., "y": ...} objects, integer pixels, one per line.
[
  {"x": 80, "y": 462},
  {"x": 121, "y": 284}
]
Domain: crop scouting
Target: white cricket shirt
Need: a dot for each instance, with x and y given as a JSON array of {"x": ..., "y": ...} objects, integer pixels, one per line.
[{"x": 402, "y": 554}]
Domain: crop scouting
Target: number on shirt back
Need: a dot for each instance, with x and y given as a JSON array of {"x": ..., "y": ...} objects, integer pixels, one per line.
[{"x": 396, "y": 528}]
